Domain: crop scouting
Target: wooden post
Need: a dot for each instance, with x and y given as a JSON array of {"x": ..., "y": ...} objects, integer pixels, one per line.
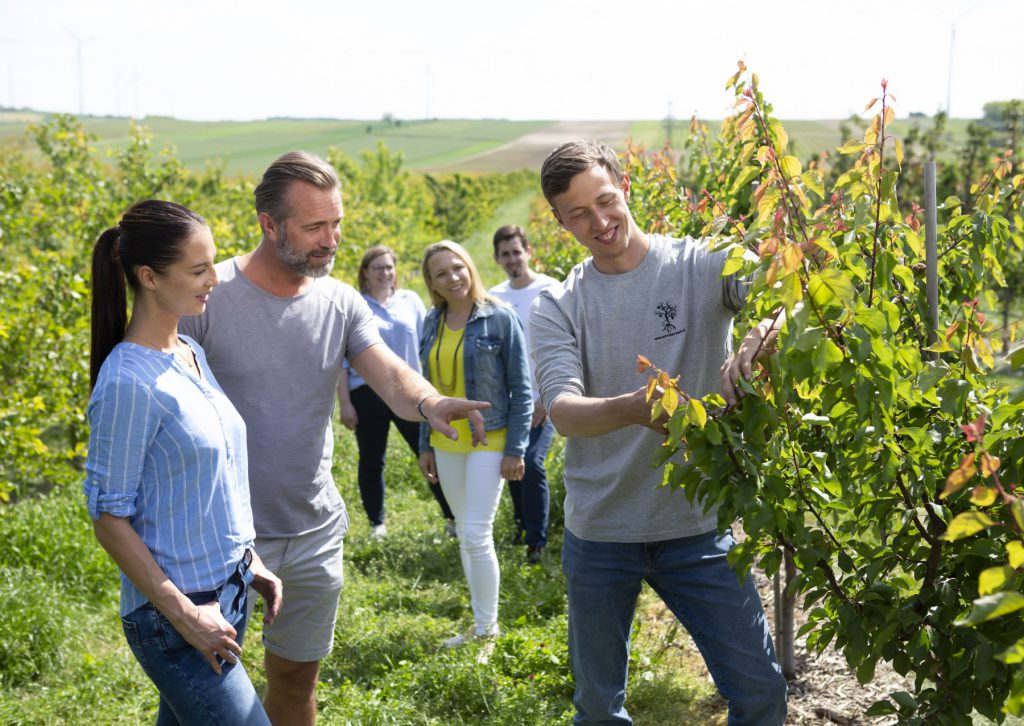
[
  {"x": 931, "y": 254},
  {"x": 786, "y": 623}
]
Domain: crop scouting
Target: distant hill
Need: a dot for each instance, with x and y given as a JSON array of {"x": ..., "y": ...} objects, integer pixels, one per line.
[{"x": 429, "y": 145}]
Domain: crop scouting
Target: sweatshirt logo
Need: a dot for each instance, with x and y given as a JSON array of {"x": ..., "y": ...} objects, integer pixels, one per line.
[{"x": 667, "y": 312}]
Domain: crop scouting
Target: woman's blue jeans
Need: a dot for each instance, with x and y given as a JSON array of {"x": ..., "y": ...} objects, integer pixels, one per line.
[
  {"x": 723, "y": 616},
  {"x": 190, "y": 692}
]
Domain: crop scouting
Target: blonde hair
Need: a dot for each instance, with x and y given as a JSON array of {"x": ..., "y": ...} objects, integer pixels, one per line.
[{"x": 476, "y": 287}]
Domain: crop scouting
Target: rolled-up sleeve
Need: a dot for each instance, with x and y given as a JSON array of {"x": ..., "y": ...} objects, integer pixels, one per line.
[
  {"x": 124, "y": 422},
  {"x": 558, "y": 365}
]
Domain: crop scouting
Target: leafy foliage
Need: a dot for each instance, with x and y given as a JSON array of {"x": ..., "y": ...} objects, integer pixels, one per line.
[
  {"x": 52, "y": 212},
  {"x": 839, "y": 452}
]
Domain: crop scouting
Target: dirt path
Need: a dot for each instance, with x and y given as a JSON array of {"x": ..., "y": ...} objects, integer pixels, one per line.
[{"x": 530, "y": 150}]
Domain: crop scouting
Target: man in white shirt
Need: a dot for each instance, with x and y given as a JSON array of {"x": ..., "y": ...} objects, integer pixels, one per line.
[{"x": 530, "y": 497}]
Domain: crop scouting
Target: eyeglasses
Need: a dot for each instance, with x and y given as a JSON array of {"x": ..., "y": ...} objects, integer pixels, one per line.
[{"x": 381, "y": 268}]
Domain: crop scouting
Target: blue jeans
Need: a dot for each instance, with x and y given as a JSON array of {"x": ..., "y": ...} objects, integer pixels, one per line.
[
  {"x": 723, "y": 616},
  {"x": 190, "y": 692},
  {"x": 530, "y": 500}
]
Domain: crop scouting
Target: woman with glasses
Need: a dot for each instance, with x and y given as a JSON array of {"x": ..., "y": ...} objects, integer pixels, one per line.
[{"x": 399, "y": 315}]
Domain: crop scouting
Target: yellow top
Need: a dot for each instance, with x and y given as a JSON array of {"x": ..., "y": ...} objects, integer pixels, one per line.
[{"x": 447, "y": 351}]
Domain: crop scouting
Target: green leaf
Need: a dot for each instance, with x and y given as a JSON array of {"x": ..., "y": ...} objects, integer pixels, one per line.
[
  {"x": 1014, "y": 654},
  {"x": 812, "y": 180},
  {"x": 872, "y": 319},
  {"x": 827, "y": 355},
  {"x": 829, "y": 286},
  {"x": 747, "y": 175},
  {"x": 965, "y": 524},
  {"x": 1016, "y": 356},
  {"x": 866, "y": 671},
  {"x": 904, "y": 699},
  {"x": 932, "y": 374},
  {"x": 790, "y": 292},
  {"x": 880, "y": 708},
  {"x": 993, "y": 606},
  {"x": 695, "y": 413},
  {"x": 734, "y": 262}
]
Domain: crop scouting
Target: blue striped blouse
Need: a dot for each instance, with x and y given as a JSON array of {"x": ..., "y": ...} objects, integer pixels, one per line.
[{"x": 167, "y": 452}]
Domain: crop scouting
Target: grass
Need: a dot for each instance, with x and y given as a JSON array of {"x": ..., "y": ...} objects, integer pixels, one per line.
[{"x": 403, "y": 595}]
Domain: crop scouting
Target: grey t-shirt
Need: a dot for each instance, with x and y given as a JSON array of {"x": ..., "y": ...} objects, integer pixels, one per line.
[
  {"x": 675, "y": 309},
  {"x": 278, "y": 360}
]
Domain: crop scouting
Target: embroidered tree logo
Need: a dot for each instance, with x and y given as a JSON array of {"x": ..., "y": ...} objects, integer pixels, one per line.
[{"x": 667, "y": 312}]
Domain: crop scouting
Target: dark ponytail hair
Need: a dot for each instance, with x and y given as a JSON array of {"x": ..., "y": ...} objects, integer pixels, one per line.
[{"x": 151, "y": 233}]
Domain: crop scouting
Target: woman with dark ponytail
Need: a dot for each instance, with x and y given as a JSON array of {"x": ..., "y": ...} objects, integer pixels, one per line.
[{"x": 167, "y": 483}]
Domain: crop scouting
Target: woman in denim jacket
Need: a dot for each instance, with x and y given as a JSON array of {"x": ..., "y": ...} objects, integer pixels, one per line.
[{"x": 474, "y": 347}]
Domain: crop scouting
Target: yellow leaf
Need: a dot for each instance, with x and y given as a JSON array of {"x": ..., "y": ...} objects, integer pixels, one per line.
[
  {"x": 965, "y": 524},
  {"x": 670, "y": 401},
  {"x": 652, "y": 383},
  {"x": 871, "y": 103},
  {"x": 790, "y": 166},
  {"x": 899, "y": 152},
  {"x": 781, "y": 137},
  {"x": 983, "y": 496},
  {"x": 890, "y": 115},
  {"x": 656, "y": 411},
  {"x": 852, "y": 147},
  {"x": 663, "y": 380},
  {"x": 994, "y": 579},
  {"x": 792, "y": 258},
  {"x": 956, "y": 481},
  {"x": 1016, "y": 552},
  {"x": 989, "y": 465}
]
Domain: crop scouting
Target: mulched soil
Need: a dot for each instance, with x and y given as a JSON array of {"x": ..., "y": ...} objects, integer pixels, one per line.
[{"x": 825, "y": 690}]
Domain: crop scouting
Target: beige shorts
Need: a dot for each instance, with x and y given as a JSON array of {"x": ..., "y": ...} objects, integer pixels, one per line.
[{"x": 310, "y": 568}]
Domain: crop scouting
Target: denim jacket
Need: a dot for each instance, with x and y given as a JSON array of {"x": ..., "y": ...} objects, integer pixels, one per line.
[{"x": 494, "y": 361}]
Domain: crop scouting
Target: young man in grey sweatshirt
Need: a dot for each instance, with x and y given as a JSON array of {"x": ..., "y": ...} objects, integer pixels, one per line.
[{"x": 666, "y": 299}]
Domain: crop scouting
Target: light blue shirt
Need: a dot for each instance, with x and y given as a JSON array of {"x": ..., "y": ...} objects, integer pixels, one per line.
[
  {"x": 400, "y": 323},
  {"x": 167, "y": 452}
]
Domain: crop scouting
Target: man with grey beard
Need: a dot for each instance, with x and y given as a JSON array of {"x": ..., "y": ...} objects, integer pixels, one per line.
[{"x": 276, "y": 331}]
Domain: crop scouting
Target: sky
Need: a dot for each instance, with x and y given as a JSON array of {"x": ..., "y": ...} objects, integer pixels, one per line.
[{"x": 518, "y": 59}]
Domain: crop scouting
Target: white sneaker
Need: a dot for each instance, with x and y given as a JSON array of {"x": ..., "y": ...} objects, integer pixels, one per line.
[
  {"x": 487, "y": 638},
  {"x": 378, "y": 531}
]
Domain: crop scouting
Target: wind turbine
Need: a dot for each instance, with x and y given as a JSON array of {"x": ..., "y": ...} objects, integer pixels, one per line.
[{"x": 80, "y": 41}]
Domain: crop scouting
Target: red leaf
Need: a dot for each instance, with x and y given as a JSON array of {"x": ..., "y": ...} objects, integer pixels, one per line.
[{"x": 974, "y": 431}]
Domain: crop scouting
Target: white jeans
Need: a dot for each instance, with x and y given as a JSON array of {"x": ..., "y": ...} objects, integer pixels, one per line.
[{"x": 472, "y": 485}]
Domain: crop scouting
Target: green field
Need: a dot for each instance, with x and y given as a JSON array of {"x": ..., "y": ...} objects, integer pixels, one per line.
[{"x": 245, "y": 147}]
